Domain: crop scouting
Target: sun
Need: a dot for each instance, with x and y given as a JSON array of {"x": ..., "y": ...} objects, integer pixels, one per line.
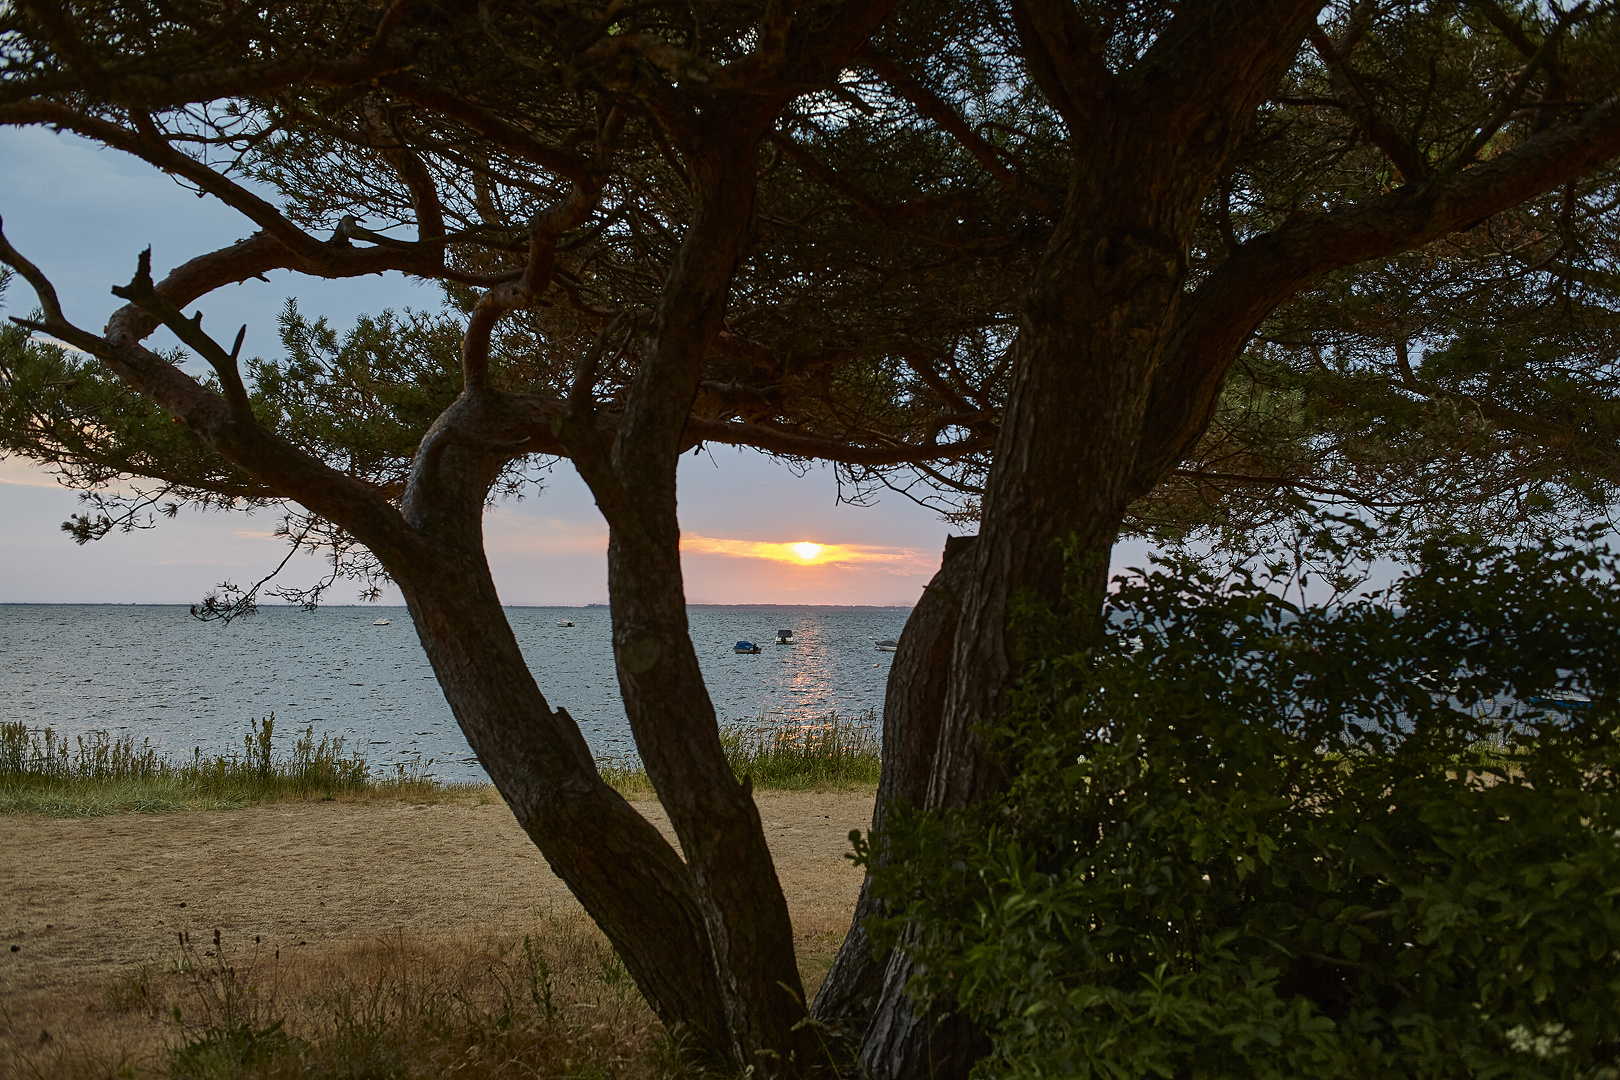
[{"x": 807, "y": 551}]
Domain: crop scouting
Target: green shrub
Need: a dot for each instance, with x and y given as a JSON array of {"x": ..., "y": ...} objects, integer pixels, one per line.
[{"x": 1248, "y": 839}]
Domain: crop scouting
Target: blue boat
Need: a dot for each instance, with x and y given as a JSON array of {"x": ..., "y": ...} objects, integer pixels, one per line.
[{"x": 745, "y": 647}]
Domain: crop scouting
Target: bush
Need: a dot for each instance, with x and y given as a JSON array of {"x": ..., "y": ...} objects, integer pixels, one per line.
[{"x": 1253, "y": 839}]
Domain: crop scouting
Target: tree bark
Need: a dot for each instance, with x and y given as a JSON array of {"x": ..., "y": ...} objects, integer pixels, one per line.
[
  {"x": 750, "y": 936},
  {"x": 912, "y": 706},
  {"x": 1101, "y": 310},
  {"x": 629, "y": 879}
]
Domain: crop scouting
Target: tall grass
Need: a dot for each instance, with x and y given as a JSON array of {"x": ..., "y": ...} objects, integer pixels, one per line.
[
  {"x": 828, "y": 753},
  {"x": 98, "y": 773},
  {"x": 831, "y": 752}
]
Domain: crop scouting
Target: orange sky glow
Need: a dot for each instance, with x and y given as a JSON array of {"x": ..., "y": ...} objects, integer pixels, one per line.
[{"x": 803, "y": 552}]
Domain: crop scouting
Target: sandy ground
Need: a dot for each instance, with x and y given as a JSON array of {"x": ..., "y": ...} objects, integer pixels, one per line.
[{"x": 84, "y": 899}]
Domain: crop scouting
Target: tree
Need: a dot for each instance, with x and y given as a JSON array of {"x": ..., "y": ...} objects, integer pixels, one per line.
[{"x": 1016, "y": 248}]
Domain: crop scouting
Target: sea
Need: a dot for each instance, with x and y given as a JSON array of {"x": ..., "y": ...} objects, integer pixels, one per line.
[{"x": 159, "y": 675}]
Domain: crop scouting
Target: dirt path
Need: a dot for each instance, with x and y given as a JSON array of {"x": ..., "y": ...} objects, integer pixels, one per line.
[{"x": 82, "y": 899}]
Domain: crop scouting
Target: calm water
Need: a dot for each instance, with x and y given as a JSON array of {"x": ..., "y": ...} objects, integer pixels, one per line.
[{"x": 157, "y": 673}]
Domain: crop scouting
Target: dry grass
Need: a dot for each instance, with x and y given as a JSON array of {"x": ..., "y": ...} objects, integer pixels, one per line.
[{"x": 554, "y": 1002}]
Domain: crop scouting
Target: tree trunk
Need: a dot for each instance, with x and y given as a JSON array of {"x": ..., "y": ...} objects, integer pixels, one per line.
[
  {"x": 912, "y": 707},
  {"x": 1101, "y": 306},
  {"x": 750, "y": 937},
  {"x": 629, "y": 879}
]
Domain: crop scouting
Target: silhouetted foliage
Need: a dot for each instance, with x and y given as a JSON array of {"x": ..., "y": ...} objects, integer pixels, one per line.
[{"x": 1247, "y": 838}]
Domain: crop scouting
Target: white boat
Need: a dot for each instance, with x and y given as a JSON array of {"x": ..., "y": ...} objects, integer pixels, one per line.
[
  {"x": 565, "y": 622},
  {"x": 887, "y": 645},
  {"x": 784, "y": 637},
  {"x": 380, "y": 622}
]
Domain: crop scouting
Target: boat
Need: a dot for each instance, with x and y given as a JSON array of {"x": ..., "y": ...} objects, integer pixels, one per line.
[
  {"x": 1563, "y": 700},
  {"x": 888, "y": 645},
  {"x": 380, "y": 622},
  {"x": 784, "y": 637},
  {"x": 745, "y": 647},
  {"x": 565, "y": 622}
]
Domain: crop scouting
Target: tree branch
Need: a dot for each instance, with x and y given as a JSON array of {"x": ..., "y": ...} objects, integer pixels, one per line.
[
  {"x": 1403, "y": 155},
  {"x": 359, "y": 507},
  {"x": 508, "y": 137},
  {"x": 141, "y": 293},
  {"x": 774, "y": 440},
  {"x": 544, "y": 229},
  {"x": 1217, "y": 320},
  {"x": 937, "y": 109},
  {"x": 187, "y": 88},
  {"x": 1064, "y": 57},
  {"x": 897, "y": 218}
]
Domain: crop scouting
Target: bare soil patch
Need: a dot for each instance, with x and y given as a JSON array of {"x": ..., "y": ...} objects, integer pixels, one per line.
[{"x": 86, "y": 902}]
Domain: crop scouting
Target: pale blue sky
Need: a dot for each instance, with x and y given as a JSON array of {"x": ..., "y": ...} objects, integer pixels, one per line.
[{"x": 83, "y": 214}]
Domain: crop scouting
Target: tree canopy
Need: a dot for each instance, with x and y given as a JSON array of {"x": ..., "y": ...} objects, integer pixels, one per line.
[{"x": 1062, "y": 268}]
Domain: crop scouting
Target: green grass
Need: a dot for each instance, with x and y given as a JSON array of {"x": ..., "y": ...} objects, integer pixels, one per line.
[
  {"x": 828, "y": 753},
  {"x": 100, "y": 773}
]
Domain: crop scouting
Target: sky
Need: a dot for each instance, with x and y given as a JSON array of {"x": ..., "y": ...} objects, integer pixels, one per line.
[{"x": 83, "y": 214}]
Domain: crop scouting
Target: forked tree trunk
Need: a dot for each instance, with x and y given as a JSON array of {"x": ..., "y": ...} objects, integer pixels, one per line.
[{"x": 629, "y": 879}]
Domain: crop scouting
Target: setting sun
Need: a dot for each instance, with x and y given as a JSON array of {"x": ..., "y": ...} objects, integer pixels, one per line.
[{"x": 807, "y": 554}]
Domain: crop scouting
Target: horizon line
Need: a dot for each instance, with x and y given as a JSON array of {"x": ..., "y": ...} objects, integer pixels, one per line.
[{"x": 374, "y": 607}]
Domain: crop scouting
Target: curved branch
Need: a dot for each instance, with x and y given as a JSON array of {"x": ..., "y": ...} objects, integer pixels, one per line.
[
  {"x": 514, "y": 140},
  {"x": 544, "y": 230},
  {"x": 892, "y": 217},
  {"x": 410, "y": 169},
  {"x": 774, "y": 440},
  {"x": 1403, "y": 155},
  {"x": 356, "y": 505},
  {"x": 1219, "y": 317}
]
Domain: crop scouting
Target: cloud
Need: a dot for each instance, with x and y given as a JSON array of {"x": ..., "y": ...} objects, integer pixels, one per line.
[
  {"x": 41, "y": 336},
  {"x": 511, "y": 533},
  {"x": 25, "y": 473},
  {"x": 809, "y": 553}
]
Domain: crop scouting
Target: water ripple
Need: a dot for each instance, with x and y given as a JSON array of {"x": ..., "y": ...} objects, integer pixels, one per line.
[{"x": 158, "y": 674}]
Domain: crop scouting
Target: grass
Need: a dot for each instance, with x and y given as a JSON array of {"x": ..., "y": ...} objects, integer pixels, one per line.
[
  {"x": 552, "y": 1002},
  {"x": 830, "y": 753},
  {"x": 100, "y": 773}
]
